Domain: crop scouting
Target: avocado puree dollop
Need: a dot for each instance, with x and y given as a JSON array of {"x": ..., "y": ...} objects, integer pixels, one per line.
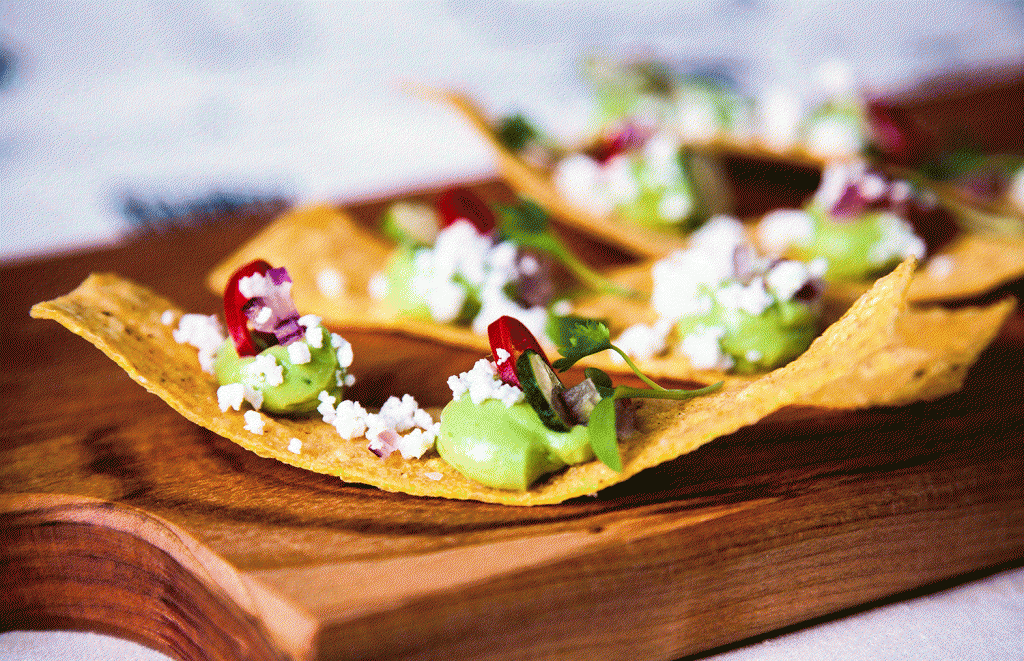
[
  {"x": 755, "y": 342},
  {"x": 857, "y": 248},
  {"x": 506, "y": 447},
  {"x": 302, "y": 383}
]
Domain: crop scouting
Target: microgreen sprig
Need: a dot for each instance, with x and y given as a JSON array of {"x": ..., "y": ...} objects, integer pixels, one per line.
[
  {"x": 578, "y": 338},
  {"x": 526, "y": 225}
]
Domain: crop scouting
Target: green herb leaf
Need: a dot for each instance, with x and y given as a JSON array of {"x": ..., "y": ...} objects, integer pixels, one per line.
[
  {"x": 581, "y": 338},
  {"x": 603, "y": 438},
  {"x": 526, "y": 225},
  {"x": 598, "y": 376}
]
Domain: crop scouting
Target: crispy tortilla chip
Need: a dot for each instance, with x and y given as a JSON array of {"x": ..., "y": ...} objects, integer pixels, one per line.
[
  {"x": 534, "y": 183},
  {"x": 124, "y": 321},
  {"x": 318, "y": 243},
  {"x": 973, "y": 264},
  {"x": 312, "y": 240}
]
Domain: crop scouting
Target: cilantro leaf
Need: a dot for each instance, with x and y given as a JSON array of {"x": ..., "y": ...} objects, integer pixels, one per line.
[{"x": 580, "y": 338}]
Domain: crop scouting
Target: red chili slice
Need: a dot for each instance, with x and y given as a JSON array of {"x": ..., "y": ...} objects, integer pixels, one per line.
[
  {"x": 458, "y": 202},
  {"x": 234, "y": 301},
  {"x": 510, "y": 334}
]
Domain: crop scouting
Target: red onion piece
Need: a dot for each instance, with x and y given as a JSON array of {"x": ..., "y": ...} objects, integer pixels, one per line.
[{"x": 266, "y": 307}]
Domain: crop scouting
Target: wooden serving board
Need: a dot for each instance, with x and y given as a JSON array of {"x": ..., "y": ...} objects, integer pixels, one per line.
[{"x": 119, "y": 515}]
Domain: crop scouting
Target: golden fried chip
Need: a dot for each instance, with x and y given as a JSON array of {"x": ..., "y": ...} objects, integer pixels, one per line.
[
  {"x": 972, "y": 264},
  {"x": 124, "y": 320},
  {"x": 314, "y": 240}
]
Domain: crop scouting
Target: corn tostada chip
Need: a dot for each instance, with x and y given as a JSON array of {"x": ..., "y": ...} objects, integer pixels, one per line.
[
  {"x": 310, "y": 242},
  {"x": 129, "y": 324},
  {"x": 971, "y": 264}
]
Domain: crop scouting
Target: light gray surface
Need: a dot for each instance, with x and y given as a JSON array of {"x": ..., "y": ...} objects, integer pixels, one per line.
[{"x": 170, "y": 101}]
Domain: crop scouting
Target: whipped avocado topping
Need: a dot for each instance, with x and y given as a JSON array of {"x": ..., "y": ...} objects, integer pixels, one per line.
[
  {"x": 854, "y": 222},
  {"x": 725, "y": 308}
]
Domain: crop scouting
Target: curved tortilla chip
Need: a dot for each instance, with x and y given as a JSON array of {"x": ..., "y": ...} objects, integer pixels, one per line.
[
  {"x": 534, "y": 183},
  {"x": 308, "y": 241},
  {"x": 971, "y": 265},
  {"x": 123, "y": 320}
]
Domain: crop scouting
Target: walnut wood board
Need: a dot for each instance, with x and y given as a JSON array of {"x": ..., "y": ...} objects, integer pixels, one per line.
[{"x": 118, "y": 515}]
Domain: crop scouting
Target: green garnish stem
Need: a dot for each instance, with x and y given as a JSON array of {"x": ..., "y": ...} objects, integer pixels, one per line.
[
  {"x": 587, "y": 275},
  {"x": 663, "y": 393},
  {"x": 636, "y": 370}
]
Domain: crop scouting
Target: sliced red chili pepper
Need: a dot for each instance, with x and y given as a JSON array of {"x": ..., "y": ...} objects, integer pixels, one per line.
[
  {"x": 510, "y": 334},
  {"x": 458, "y": 202},
  {"x": 234, "y": 302}
]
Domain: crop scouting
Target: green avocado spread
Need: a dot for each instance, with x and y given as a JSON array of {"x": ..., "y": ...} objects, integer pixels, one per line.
[
  {"x": 755, "y": 342},
  {"x": 506, "y": 447},
  {"x": 302, "y": 384},
  {"x": 855, "y": 249}
]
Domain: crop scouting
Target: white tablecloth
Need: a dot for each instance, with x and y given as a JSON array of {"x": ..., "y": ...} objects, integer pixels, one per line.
[{"x": 169, "y": 102}]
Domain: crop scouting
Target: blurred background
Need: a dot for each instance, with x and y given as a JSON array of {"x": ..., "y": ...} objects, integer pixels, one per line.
[{"x": 115, "y": 115}]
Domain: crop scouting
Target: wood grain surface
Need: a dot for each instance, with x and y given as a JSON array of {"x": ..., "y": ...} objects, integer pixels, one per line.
[{"x": 118, "y": 515}]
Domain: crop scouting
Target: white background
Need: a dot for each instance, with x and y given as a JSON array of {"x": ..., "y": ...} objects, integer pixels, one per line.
[{"x": 173, "y": 101}]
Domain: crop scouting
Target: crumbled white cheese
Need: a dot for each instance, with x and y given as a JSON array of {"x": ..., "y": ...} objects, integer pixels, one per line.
[
  {"x": 264, "y": 315},
  {"x": 502, "y": 355},
  {"x": 782, "y": 228},
  {"x": 349, "y": 419},
  {"x": 265, "y": 367},
  {"x": 833, "y": 136},
  {"x": 204, "y": 333},
  {"x": 583, "y": 182},
  {"x": 786, "y": 278},
  {"x": 345, "y": 354},
  {"x": 298, "y": 353},
  {"x": 482, "y": 383},
  {"x": 330, "y": 282},
  {"x": 643, "y": 341},
  {"x": 703, "y": 349},
  {"x": 898, "y": 241},
  {"x": 433, "y": 475},
  {"x": 167, "y": 318},
  {"x": 314, "y": 337},
  {"x": 752, "y": 298},
  {"x": 940, "y": 266},
  {"x": 295, "y": 446},
  {"x": 254, "y": 397},
  {"x": 230, "y": 396},
  {"x": 254, "y": 422}
]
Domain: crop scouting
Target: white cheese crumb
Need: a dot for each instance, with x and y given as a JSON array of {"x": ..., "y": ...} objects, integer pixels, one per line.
[
  {"x": 786, "y": 278},
  {"x": 254, "y": 422},
  {"x": 265, "y": 367},
  {"x": 349, "y": 419},
  {"x": 230, "y": 396},
  {"x": 330, "y": 282},
  {"x": 433, "y": 475},
  {"x": 643, "y": 341},
  {"x": 295, "y": 446},
  {"x": 482, "y": 383},
  {"x": 264, "y": 315},
  {"x": 167, "y": 318},
  {"x": 502, "y": 355},
  {"x": 345, "y": 354},
  {"x": 254, "y": 397},
  {"x": 703, "y": 349},
  {"x": 204, "y": 333},
  {"x": 783, "y": 228},
  {"x": 298, "y": 353},
  {"x": 315, "y": 337},
  {"x": 940, "y": 266}
]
